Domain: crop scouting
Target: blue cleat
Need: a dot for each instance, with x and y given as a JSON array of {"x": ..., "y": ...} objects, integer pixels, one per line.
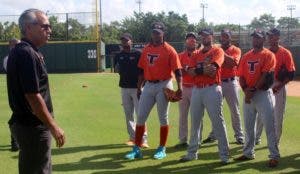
[
  {"x": 135, "y": 153},
  {"x": 160, "y": 153}
]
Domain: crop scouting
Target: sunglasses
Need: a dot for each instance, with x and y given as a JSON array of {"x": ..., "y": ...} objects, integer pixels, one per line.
[{"x": 44, "y": 26}]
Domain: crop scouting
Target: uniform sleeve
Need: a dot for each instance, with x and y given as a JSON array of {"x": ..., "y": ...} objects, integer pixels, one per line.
[
  {"x": 175, "y": 62},
  {"x": 237, "y": 55},
  {"x": 269, "y": 63},
  {"x": 289, "y": 61},
  {"x": 27, "y": 72},
  {"x": 142, "y": 63},
  {"x": 218, "y": 57},
  {"x": 241, "y": 68}
]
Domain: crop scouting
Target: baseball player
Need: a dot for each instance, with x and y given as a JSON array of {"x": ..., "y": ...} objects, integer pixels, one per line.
[
  {"x": 284, "y": 72},
  {"x": 256, "y": 77},
  {"x": 207, "y": 94},
  {"x": 158, "y": 61},
  {"x": 126, "y": 62},
  {"x": 187, "y": 86},
  {"x": 230, "y": 86}
]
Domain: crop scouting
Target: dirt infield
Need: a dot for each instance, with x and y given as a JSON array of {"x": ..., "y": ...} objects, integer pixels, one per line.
[{"x": 293, "y": 88}]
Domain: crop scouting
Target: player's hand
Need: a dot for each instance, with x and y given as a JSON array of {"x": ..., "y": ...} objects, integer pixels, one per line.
[
  {"x": 209, "y": 70},
  {"x": 179, "y": 93},
  {"x": 277, "y": 87},
  {"x": 249, "y": 93},
  {"x": 59, "y": 135}
]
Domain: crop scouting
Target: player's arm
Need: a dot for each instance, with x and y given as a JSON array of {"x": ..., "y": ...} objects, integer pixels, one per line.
[
  {"x": 178, "y": 76},
  {"x": 39, "y": 108},
  {"x": 229, "y": 61},
  {"x": 141, "y": 81},
  {"x": 248, "y": 91},
  {"x": 265, "y": 81}
]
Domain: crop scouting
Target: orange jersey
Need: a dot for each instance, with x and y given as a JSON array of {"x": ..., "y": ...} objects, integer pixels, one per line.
[
  {"x": 158, "y": 62},
  {"x": 284, "y": 58},
  {"x": 185, "y": 61},
  {"x": 252, "y": 65},
  {"x": 235, "y": 53},
  {"x": 214, "y": 55}
]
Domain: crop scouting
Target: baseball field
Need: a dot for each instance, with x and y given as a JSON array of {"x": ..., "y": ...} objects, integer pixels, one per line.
[{"x": 88, "y": 108}]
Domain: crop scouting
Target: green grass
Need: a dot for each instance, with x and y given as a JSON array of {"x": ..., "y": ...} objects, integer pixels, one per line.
[{"x": 93, "y": 120}]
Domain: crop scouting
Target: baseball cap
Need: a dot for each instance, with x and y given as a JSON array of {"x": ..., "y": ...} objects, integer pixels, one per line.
[
  {"x": 258, "y": 33},
  {"x": 126, "y": 36},
  {"x": 226, "y": 31},
  {"x": 206, "y": 31},
  {"x": 190, "y": 34},
  {"x": 159, "y": 27},
  {"x": 273, "y": 31}
]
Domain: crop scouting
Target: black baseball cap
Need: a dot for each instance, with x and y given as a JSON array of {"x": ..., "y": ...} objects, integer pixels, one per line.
[
  {"x": 274, "y": 31},
  {"x": 158, "y": 27},
  {"x": 258, "y": 33},
  {"x": 226, "y": 31},
  {"x": 191, "y": 34},
  {"x": 126, "y": 36},
  {"x": 206, "y": 31}
]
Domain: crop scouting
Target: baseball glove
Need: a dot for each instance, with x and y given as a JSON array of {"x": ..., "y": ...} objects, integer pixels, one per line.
[
  {"x": 282, "y": 73},
  {"x": 171, "y": 95}
]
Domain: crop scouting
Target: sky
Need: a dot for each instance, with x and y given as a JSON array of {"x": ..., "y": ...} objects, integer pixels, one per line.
[{"x": 217, "y": 11}]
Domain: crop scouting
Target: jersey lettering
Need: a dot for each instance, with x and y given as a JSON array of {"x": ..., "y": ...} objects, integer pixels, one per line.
[
  {"x": 251, "y": 65},
  {"x": 152, "y": 58}
]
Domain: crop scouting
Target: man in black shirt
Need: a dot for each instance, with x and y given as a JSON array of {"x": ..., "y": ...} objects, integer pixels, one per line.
[
  {"x": 126, "y": 65},
  {"x": 29, "y": 96}
]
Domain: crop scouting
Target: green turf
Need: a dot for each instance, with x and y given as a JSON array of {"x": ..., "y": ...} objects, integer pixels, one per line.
[{"x": 93, "y": 120}]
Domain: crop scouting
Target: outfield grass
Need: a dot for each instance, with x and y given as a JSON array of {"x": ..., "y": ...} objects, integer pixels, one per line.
[{"x": 93, "y": 120}]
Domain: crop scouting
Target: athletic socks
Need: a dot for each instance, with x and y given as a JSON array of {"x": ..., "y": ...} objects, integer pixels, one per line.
[{"x": 164, "y": 131}]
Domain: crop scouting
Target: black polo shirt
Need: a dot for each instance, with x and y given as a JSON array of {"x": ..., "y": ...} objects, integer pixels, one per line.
[
  {"x": 26, "y": 73},
  {"x": 127, "y": 65}
]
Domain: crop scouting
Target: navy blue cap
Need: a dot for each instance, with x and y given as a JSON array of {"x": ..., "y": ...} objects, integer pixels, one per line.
[
  {"x": 159, "y": 27},
  {"x": 258, "y": 33},
  {"x": 226, "y": 31},
  {"x": 206, "y": 31},
  {"x": 274, "y": 31},
  {"x": 190, "y": 34},
  {"x": 126, "y": 36}
]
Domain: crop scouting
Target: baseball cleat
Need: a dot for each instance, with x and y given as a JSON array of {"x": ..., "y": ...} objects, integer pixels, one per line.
[
  {"x": 243, "y": 158},
  {"x": 135, "y": 153},
  {"x": 130, "y": 143},
  {"x": 181, "y": 145},
  {"x": 145, "y": 145},
  {"x": 273, "y": 163},
  {"x": 208, "y": 140},
  {"x": 160, "y": 153}
]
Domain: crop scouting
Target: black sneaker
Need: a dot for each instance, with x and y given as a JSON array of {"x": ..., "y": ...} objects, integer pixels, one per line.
[
  {"x": 181, "y": 145},
  {"x": 208, "y": 140}
]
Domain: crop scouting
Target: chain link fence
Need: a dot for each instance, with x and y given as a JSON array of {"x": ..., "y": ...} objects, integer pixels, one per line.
[{"x": 80, "y": 26}]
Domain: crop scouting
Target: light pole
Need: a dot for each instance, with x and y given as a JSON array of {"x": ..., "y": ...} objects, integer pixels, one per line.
[
  {"x": 203, "y": 6},
  {"x": 291, "y": 8},
  {"x": 140, "y": 4}
]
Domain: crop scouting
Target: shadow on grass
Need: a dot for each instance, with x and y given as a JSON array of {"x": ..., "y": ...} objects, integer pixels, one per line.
[
  {"x": 108, "y": 163},
  {"x": 4, "y": 147}
]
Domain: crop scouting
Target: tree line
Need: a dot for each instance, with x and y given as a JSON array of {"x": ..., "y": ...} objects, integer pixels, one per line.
[{"x": 139, "y": 25}]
